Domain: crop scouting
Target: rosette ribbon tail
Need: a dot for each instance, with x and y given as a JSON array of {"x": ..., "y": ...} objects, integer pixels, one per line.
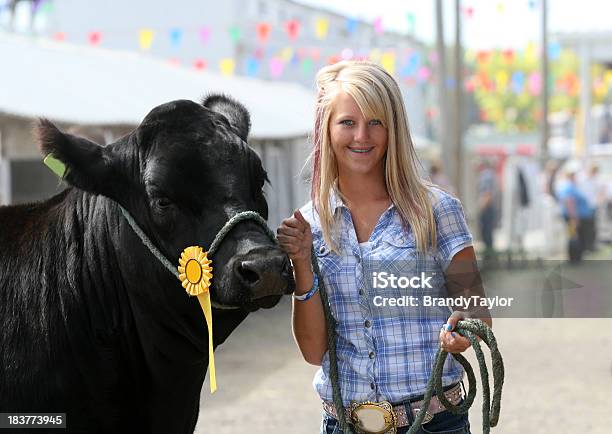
[{"x": 204, "y": 300}]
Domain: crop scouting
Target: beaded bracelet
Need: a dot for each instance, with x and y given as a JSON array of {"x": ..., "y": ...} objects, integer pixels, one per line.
[{"x": 309, "y": 294}]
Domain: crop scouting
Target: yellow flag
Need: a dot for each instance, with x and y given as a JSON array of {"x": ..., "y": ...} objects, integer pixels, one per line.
[
  {"x": 145, "y": 38},
  {"x": 286, "y": 54},
  {"x": 388, "y": 62},
  {"x": 530, "y": 51},
  {"x": 227, "y": 66},
  {"x": 321, "y": 28},
  {"x": 501, "y": 78}
]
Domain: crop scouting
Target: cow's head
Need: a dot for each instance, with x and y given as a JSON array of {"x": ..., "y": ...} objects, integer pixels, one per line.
[{"x": 182, "y": 174}]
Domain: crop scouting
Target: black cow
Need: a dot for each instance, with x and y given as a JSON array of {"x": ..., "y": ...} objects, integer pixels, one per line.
[{"x": 91, "y": 323}]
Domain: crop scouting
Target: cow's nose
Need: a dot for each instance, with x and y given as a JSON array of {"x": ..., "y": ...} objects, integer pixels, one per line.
[
  {"x": 249, "y": 273},
  {"x": 257, "y": 273}
]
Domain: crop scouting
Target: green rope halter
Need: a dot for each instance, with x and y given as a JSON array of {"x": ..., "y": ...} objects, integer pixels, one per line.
[{"x": 242, "y": 216}]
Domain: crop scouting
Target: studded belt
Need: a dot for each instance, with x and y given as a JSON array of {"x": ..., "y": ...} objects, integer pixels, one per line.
[{"x": 401, "y": 419}]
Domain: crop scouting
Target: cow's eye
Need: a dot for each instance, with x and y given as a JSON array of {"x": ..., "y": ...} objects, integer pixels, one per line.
[{"x": 162, "y": 203}]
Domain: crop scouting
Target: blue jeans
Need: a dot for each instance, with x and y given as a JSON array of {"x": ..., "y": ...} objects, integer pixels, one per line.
[{"x": 443, "y": 423}]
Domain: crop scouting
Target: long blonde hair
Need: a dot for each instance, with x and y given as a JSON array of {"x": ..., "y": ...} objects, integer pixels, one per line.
[{"x": 378, "y": 96}]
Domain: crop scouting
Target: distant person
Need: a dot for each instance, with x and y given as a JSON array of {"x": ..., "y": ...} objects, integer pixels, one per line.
[
  {"x": 487, "y": 199},
  {"x": 605, "y": 135},
  {"x": 438, "y": 178},
  {"x": 576, "y": 212},
  {"x": 594, "y": 192}
]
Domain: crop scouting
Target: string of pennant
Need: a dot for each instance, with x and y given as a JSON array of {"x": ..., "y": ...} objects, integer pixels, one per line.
[
  {"x": 410, "y": 66},
  {"x": 277, "y": 61}
]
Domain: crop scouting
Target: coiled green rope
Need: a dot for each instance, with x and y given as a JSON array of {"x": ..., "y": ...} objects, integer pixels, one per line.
[{"x": 472, "y": 329}]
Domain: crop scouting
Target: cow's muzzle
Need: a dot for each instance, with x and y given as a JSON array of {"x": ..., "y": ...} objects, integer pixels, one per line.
[{"x": 265, "y": 272}]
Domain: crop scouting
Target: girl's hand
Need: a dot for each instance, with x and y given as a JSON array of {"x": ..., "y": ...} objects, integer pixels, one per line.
[
  {"x": 295, "y": 239},
  {"x": 450, "y": 341}
]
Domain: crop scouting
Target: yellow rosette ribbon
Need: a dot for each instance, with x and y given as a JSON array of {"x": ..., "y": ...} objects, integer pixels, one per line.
[{"x": 195, "y": 272}]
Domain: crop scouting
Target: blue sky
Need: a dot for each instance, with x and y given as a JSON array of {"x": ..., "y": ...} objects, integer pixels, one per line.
[{"x": 494, "y": 23}]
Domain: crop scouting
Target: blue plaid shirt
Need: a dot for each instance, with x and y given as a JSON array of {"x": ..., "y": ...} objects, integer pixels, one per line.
[{"x": 385, "y": 354}]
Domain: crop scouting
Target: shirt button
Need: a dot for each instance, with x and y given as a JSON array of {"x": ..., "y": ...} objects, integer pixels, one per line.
[
  {"x": 371, "y": 355},
  {"x": 372, "y": 386},
  {"x": 361, "y": 291},
  {"x": 367, "y": 323}
]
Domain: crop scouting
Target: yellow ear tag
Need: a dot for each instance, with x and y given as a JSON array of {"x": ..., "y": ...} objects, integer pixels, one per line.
[{"x": 195, "y": 272}]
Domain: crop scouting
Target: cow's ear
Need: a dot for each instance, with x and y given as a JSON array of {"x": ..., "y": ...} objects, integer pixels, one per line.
[
  {"x": 82, "y": 163},
  {"x": 237, "y": 115}
]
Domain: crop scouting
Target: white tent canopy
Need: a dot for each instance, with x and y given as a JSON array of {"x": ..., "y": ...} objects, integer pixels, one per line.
[{"x": 85, "y": 85}]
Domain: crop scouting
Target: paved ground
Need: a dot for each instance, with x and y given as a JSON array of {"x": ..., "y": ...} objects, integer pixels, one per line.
[{"x": 558, "y": 378}]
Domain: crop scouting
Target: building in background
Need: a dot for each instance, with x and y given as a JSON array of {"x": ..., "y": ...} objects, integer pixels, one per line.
[{"x": 104, "y": 94}]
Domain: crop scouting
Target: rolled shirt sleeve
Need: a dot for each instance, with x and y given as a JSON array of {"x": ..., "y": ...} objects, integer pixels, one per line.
[{"x": 453, "y": 233}]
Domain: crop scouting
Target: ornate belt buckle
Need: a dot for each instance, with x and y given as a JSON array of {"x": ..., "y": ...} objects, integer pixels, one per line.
[
  {"x": 373, "y": 417},
  {"x": 428, "y": 416}
]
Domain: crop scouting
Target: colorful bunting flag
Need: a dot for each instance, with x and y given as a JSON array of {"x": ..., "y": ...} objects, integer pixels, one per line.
[
  {"x": 263, "y": 32},
  {"x": 292, "y": 27},
  {"x": 307, "y": 66},
  {"x": 227, "y": 66},
  {"x": 176, "y": 36},
  {"x": 59, "y": 36},
  {"x": 388, "y": 61},
  {"x": 94, "y": 38},
  {"x": 204, "y": 34},
  {"x": 501, "y": 80},
  {"x": 517, "y": 82},
  {"x": 315, "y": 53},
  {"x": 145, "y": 38},
  {"x": 259, "y": 53},
  {"x": 235, "y": 33},
  {"x": 554, "y": 50},
  {"x": 276, "y": 67},
  {"x": 423, "y": 74},
  {"x": 286, "y": 54},
  {"x": 411, "y": 22},
  {"x": 321, "y": 28},
  {"x": 534, "y": 83},
  {"x": 252, "y": 67},
  {"x": 378, "y": 25},
  {"x": 351, "y": 25},
  {"x": 199, "y": 64}
]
